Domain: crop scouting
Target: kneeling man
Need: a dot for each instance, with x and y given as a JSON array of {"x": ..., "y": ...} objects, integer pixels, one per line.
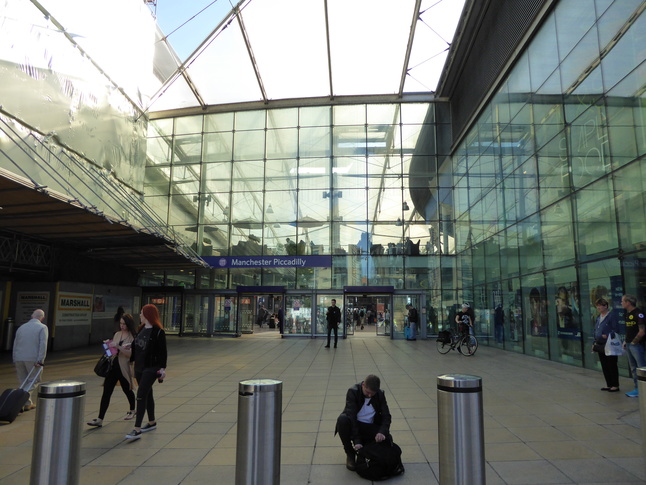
[{"x": 366, "y": 418}]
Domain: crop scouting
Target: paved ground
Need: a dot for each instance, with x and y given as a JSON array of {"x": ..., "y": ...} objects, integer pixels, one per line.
[{"x": 545, "y": 423}]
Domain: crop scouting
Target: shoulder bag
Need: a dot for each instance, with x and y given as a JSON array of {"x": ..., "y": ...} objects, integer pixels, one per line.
[{"x": 103, "y": 366}]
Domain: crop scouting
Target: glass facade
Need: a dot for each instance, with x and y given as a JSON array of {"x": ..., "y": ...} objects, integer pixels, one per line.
[
  {"x": 336, "y": 181},
  {"x": 549, "y": 184},
  {"x": 538, "y": 211}
]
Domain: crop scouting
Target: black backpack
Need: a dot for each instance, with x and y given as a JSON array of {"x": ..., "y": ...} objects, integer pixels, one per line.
[{"x": 380, "y": 461}]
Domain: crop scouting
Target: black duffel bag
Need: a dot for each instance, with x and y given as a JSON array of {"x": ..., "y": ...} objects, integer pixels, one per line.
[{"x": 380, "y": 461}]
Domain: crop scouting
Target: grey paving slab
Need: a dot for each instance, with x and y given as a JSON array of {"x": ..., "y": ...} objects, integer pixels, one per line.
[{"x": 544, "y": 422}]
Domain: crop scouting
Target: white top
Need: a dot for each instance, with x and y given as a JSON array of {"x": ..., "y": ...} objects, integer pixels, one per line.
[
  {"x": 30, "y": 344},
  {"x": 367, "y": 413}
]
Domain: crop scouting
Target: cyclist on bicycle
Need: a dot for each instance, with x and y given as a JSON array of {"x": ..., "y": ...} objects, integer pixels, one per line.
[{"x": 464, "y": 319}]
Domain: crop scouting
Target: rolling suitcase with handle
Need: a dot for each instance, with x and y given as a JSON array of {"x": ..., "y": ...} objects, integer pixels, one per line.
[{"x": 13, "y": 400}]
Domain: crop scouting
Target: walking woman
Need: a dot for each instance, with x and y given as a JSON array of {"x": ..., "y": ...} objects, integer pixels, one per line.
[
  {"x": 121, "y": 370},
  {"x": 149, "y": 355},
  {"x": 606, "y": 323}
]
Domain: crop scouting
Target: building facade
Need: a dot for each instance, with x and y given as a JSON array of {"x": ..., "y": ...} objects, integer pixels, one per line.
[
  {"x": 516, "y": 187},
  {"x": 531, "y": 213}
]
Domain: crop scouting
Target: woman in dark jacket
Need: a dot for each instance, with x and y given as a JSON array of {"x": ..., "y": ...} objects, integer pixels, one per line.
[
  {"x": 149, "y": 355},
  {"x": 606, "y": 323}
]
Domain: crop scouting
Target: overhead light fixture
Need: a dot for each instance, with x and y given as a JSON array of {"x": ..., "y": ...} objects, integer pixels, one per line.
[
  {"x": 405, "y": 206},
  {"x": 399, "y": 222},
  {"x": 270, "y": 210}
]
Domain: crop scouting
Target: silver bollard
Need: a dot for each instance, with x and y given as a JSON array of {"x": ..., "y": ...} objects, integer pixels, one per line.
[
  {"x": 641, "y": 385},
  {"x": 460, "y": 430},
  {"x": 56, "y": 456},
  {"x": 260, "y": 405}
]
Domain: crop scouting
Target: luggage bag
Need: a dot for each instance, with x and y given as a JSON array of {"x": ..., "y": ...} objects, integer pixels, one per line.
[
  {"x": 380, "y": 461},
  {"x": 13, "y": 400}
]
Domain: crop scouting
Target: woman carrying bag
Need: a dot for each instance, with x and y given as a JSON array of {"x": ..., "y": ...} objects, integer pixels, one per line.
[
  {"x": 606, "y": 323},
  {"x": 121, "y": 370},
  {"x": 149, "y": 355}
]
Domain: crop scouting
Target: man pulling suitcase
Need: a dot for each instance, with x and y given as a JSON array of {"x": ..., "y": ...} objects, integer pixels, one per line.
[{"x": 29, "y": 350}]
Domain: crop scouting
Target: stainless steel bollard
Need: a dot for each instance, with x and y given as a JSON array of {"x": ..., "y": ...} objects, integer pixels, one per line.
[
  {"x": 460, "y": 430},
  {"x": 260, "y": 405},
  {"x": 641, "y": 385},
  {"x": 56, "y": 456}
]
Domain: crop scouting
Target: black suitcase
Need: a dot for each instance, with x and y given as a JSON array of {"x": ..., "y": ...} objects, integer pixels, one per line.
[{"x": 13, "y": 400}]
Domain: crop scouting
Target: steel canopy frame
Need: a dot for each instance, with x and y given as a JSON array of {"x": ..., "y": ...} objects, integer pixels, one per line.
[{"x": 236, "y": 13}]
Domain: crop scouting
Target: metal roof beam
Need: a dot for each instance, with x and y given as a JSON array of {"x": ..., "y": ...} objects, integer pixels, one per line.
[
  {"x": 329, "y": 51},
  {"x": 409, "y": 46},
  {"x": 252, "y": 58},
  {"x": 426, "y": 97}
]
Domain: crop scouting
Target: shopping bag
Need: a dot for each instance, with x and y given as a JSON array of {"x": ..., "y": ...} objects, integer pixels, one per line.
[{"x": 614, "y": 345}]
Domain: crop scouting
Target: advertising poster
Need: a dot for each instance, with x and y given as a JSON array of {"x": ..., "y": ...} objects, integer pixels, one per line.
[
  {"x": 73, "y": 309},
  {"x": 27, "y": 302},
  {"x": 105, "y": 306}
]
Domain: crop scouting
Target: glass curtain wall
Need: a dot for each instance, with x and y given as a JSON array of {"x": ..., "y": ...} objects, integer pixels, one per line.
[
  {"x": 349, "y": 182},
  {"x": 549, "y": 184}
]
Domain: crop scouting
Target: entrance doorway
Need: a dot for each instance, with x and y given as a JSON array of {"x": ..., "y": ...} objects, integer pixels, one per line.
[
  {"x": 169, "y": 304},
  {"x": 384, "y": 314},
  {"x": 368, "y": 313},
  {"x": 260, "y": 311}
]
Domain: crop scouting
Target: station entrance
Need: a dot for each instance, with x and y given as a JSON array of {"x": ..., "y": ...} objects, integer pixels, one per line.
[{"x": 285, "y": 313}]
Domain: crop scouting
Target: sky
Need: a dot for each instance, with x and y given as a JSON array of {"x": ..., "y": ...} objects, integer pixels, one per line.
[
  {"x": 367, "y": 42},
  {"x": 186, "y": 23}
]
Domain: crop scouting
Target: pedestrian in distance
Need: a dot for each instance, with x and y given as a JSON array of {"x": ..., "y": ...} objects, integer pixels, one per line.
[
  {"x": 464, "y": 319},
  {"x": 606, "y": 323},
  {"x": 413, "y": 318},
  {"x": 333, "y": 317},
  {"x": 634, "y": 343}
]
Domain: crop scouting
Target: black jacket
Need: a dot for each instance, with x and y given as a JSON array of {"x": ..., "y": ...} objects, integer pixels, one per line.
[
  {"x": 333, "y": 316},
  {"x": 354, "y": 400},
  {"x": 155, "y": 353}
]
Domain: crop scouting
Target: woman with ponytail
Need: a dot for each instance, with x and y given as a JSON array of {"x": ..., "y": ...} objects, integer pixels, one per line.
[{"x": 149, "y": 355}]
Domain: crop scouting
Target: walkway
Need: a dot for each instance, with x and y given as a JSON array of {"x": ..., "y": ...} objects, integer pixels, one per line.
[{"x": 545, "y": 423}]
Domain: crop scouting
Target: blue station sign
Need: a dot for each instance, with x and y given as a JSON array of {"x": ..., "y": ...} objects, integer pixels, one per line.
[{"x": 268, "y": 261}]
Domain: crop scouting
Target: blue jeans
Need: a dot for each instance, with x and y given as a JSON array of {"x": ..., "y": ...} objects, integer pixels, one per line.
[{"x": 636, "y": 359}]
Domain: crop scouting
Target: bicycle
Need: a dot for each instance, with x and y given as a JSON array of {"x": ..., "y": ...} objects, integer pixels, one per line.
[{"x": 464, "y": 342}]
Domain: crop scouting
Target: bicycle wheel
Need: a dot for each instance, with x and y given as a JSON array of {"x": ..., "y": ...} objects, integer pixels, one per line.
[
  {"x": 468, "y": 345},
  {"x": 442, "y": 347}
]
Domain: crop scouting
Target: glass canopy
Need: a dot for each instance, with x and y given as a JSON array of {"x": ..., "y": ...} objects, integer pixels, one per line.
[{"x": 264, "y": 50}]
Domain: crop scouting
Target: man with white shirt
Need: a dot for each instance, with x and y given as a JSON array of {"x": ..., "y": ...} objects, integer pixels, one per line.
[
  {"x": 30, "y": 349},
  {"x": 366, "y": 418}
]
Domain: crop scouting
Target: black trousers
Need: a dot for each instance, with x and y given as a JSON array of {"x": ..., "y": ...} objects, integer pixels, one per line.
[
  {"x": 110, "y": 383},
  {"x": 145, "y": 398},
  {"x": 367, "y": 432},
  {"x": 609, "y": 368},
  {"x": 332, "y": 327}
]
